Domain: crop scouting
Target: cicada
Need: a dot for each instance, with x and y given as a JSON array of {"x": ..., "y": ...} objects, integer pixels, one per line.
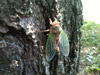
[{"x": 57, "y": 41}]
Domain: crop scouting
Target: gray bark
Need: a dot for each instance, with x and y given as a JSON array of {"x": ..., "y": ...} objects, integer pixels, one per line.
[{"x": 22, "y": 47}]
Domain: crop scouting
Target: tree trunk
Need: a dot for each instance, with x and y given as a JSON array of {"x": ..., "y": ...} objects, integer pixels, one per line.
[{"x": 22, "y": 47}]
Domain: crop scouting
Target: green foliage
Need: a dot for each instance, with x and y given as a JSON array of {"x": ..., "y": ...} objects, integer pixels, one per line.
[
  {"x": 90, "y": 34},
  {"x": 95, "y": 66},
  {"x": 91, "y": 43}
]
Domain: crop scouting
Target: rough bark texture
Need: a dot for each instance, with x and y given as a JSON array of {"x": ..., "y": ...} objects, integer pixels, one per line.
[{"x": 20, "y": 43}]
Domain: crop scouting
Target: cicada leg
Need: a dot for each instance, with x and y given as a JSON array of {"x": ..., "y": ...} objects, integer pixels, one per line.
[{"x": 41, "y": 31}]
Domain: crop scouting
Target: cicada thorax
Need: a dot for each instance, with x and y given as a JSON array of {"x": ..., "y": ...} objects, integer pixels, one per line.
[{"x": 55, "y": 30}]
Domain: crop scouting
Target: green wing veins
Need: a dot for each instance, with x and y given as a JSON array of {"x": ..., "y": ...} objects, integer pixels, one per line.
[
  {"x": 50, "y": 48},
  {"x": 64, "y": 43}
]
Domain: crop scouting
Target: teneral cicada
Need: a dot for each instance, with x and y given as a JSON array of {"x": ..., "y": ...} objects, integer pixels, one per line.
[{"x": 57, "y": 41}]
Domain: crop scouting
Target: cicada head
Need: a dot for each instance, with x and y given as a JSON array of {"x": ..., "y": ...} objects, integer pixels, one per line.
[{"x": 55, "y": 29}]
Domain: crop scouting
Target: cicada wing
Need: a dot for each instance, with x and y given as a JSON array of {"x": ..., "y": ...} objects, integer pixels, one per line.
[
  {"x": 50, "y": 48},
  {"x": 64, "y": 43}
]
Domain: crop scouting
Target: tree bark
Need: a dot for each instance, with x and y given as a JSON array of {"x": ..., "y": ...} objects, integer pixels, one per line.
[{"x": 22, "y": 47}]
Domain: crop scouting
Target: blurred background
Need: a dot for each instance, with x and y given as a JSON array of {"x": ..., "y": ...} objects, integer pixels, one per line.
[{"x": 90, "y": 53}]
